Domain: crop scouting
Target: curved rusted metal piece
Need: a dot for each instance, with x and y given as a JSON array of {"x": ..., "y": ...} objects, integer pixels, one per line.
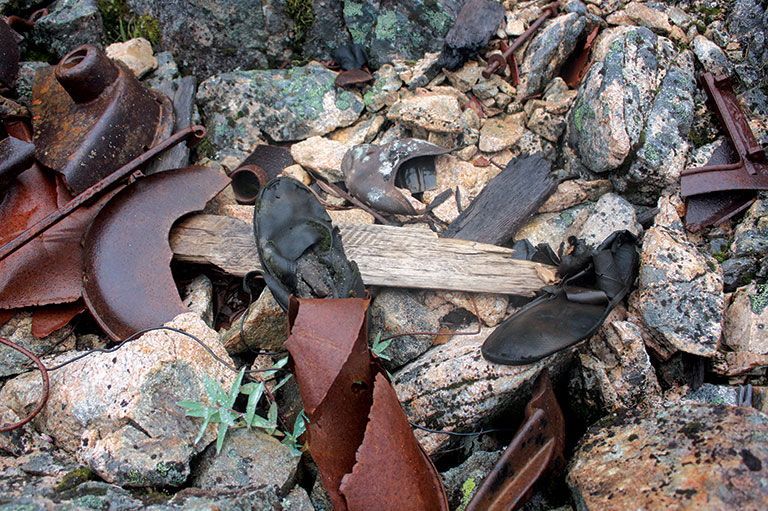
[
  {"x": 15, "y": 157},
  {"x": 92, "y": 116},
  {"x": 127, "y": 282},
  {"x": 9, "y": 56},
  {"x": 372, "y": 173},
  {"x": 536, "y": 449},
  {"x": 46, "y": 386}
]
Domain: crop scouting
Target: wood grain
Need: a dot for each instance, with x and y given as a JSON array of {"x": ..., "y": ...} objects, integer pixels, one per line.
[{"x": 407, "y": 257}]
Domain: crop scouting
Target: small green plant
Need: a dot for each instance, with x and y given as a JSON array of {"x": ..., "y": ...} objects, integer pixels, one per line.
[
  {"x": 379, "y": 346},
  {"x": 220, "y": 409},
  {"x": 303, "y": 18}
]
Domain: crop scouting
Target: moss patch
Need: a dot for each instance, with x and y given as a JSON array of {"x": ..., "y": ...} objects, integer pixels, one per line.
[
  {"x": 75, "y": 478},
  {"x": 303, "y": 18},
  {"x": 121, "y": 24}
]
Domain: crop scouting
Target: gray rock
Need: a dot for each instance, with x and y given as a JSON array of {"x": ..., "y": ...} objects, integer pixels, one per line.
[
  {"x": 461, "y": 483},
  {"x": 327, "y": 32},
  {"x": 9, "y": 7},
  {"x": 397, "y": 311},
  {"x": 117, "y": 411},
  {"x": 265, "y": 327},
  {"x": 746, "y": 321},
  {"x": 26, "y": 80},
  {"x": 574, "y": 192},
  {"x": 710, "y": 55},
  {"x": 708, "y": 457},
  {"x": 612, "y": 213},
  {"x": 712, "y": 394},
  {"x": 575, "y": 6},
  {"x": 213, "y": 37},
  {"x": 680, "y": 290},
  {"x": 679, "y": 17},
  {"x": 291, "y": 104},
  {"x": 548, "y": 50},
  {"x": 69, "y": 24},
  {"x": 198, "y": 298},
  {"x": 750, "y": 239},
  {"x": 555, "y": 228},
  {"x": 645, "y": 16},
  {"x": 615, "y": 368},
  {"x": 738, "y": 272},
  {"x": 383, "y": 91},
  {"x": 400, "y": 30},
  {"x": 264, "y": 498},
  {"x": 453, "y": 387},
  {"x": 433, "y": 112},
  {"x": 248, "y": 459},
  {"x": 19, "y": 330},
  {"x": 746, "y": 23}
]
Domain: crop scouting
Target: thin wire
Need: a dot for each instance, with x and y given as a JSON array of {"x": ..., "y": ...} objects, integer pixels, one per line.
[
  {"x": 454, "y": 433},
  {"x": 46, "y": 385}
]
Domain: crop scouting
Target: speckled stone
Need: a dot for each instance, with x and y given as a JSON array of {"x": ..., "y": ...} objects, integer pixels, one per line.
[
  {"x": 555, "y": 228},
  {"x": 746, "y": 320},
  {"x": 680, "y": 290},
  {"x": 703, "y": 457},
  {"x": 644, "y": 16},
  {"x": 466, "y": 77},
  {"x": 499, "y": 133},
  {"x": 265, "y": 327},
  {"x": 492, "y": 308},
  {"x": 612, "y": 213},
  {"x": 198, "y": 298},
  {"x": 751, "y": 235},
  {"x": 135, "y": 53},
  {"x": 321, "y": 155},
  {"x": 437, "y": 112},
  {"x": 383, "y": 91},
  {"x": 574, "y": 192},
  {"x": 453, "y": 387},
  {"x": 710, "y": 55},
  {"x": 19, "y": 330}
]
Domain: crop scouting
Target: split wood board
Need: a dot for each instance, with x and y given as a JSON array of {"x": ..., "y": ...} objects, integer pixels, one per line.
[{"x": 407, "y": 257}]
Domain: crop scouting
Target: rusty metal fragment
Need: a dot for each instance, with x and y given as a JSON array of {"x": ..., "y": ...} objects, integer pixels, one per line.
[
  {"x": 92, "y": 116},
  {"x": 49, "y": 318},
  {"x": 372, "y": 173},
  {"x": 358, "y": 434},
  {"x": 9, "y": 56},
  {"x": 498, "y": 62},
  {"x": 15, "y": 157},
  {"x": 353, "y": 77},
  {"x": 264, "y": 163},
  {"x": 127, "y": 282},
  {"x": 535, "y": 451},
  {"x": 577, "y": 65}
]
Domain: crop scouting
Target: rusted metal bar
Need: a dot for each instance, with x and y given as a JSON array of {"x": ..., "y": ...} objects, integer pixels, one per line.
[
  {"x": 536, "y": 449},
  {"x": 46, "y": 386},
  {"x": 750, "y": 172},
  {"x": 498, "y": 61},
  {"x": 192, "y": 133}
]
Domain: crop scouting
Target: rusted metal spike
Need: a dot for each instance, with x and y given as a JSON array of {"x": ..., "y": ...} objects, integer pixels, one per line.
[
  {"x": 751, "y": 171},
  {"x": 536, "y": 449},
  {"x": 494, "y": 64},
  {"x": 195, "y": 133}
]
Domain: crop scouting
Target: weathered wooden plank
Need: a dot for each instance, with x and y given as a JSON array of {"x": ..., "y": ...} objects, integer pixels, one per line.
[
  {"x": 387, "y": 256},
  {"x": 506, "y": 202}
]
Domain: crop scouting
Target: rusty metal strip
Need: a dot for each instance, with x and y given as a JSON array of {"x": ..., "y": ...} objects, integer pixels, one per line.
[
  {"x": 750, "y": 172},
  {"x": 193, "y": 133},
  {"x": 498, "y": 61},
  {"x": 127, "y": 281},
  {"x": 536, "y": 450}
]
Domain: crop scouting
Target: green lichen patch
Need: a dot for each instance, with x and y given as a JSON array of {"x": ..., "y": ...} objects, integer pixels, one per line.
[
  {"x": 759, "y": 301},
  {"x": 75, "y": 478}
]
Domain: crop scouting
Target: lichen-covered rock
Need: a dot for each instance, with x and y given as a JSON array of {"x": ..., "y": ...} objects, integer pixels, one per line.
[
  {"x": 633, "y": 112},
  {"x": 548, "y": 50},
  {"x": 704, "y": 457},
  {"x": 248, "y": 459},
  {"x": 612, "y": 213},
  {"x": 19, "y": 330},
  {"x": 711, "y": 56},
  {"x": 291, "y": 104},
  {"x": 383, "y": 91},
  {"x": 404, "y": 30},
  {"x": 645, "y": 16},
  {"x": 69, "y": 24},
  {"x": 327, "y": 31},
  {"x": 746, "y": 320},
  {"x": 680, "y": 290},
  {"x": 750, "y": 239},
  {"x": 746, "y": 24},
  {"x": 214, "y": 37},
  {"x": 117, "y": 411},
  {"x": 432, "y": 112},
  {"x": 574, "y": 192},
  {"x": 265, "y": 327},
  {"x": 321, "y": 155},
  {"x": 555, "y": 228},
  {"x": 453, "y": 387}
]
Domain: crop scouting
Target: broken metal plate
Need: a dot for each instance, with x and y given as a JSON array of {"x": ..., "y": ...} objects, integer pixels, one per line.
[
  {"x": 536, "y": 449},
  {"x": 372, "y": 173},
  {"x": 127, "y": 281},
  {"x": 91, "y": 116},
  {"x": 9, "y": 56}
]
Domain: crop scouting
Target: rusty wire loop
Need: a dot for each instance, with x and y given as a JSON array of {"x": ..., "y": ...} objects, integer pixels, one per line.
[{"x": 46, "y": 386}]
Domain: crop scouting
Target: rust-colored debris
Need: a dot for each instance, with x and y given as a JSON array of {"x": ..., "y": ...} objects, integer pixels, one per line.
[
  {"x": 127, "y": 282},
  {"x": 577, "y": 65},
  {"x": 358, "y": 434},
  {"x": 20, "y": 24},
  {"x": 92, "y": 116},
  {"x": 264, "y": 163},
  {"x": 498, "y": 62},
  {"x": 535, "y": 451},
  {"x": 748, "y": 173},
  {"x": 350, "y": 77},
  {"x": 50, "y": 318},
  {"x": 9, "y": 56},
  {"x": 372, "y": 173},
  {"x": 15, "y": 157}
]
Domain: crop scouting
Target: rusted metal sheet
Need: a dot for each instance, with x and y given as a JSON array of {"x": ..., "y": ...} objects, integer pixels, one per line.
[
  {"x": 50, "y": 318},
  {"x": 9, "y": 56},
  {"x": 15, "y": 157},
  {"x": 498, "y": 62},
  {"x": 264, "y": 163},
  {"x": 535, "y": 451},
  {"x": 358, "y": 433},
  {"x": 92, "y": 116},
  {"x": 127, "y": 281},
  {"x": 16, "y": 239},
  {"x": 372, "y": 173},
  {"x": 750, "y": 172},
  {"x": 577, "y": 65}
]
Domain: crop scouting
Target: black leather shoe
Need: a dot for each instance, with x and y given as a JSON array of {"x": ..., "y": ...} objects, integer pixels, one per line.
[
  {"x": 571, "y": 311},
  {"x": 299, "y": 248}
]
